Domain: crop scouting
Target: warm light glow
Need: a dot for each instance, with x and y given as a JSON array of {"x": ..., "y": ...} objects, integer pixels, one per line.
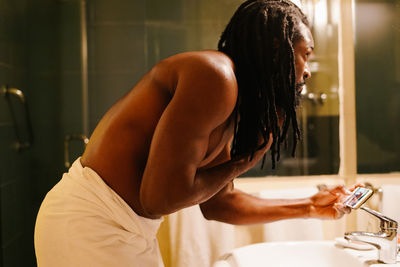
[
  {"x": 321, "y": 13},
  {"x": 335, "y": 12}
]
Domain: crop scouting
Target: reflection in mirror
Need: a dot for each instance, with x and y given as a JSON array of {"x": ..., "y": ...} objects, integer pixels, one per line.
[{"x": 318, "y": 151}]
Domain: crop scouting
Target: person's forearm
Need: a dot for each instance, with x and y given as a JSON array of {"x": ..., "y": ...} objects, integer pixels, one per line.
[
  {"x": 210, "y": 181},
  {"x": 206, "y": 183},
  {"x": 241, "y": 208}
]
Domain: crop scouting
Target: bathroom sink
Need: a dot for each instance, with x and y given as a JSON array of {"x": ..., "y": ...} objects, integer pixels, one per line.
[{"x": 299, "y": 254}]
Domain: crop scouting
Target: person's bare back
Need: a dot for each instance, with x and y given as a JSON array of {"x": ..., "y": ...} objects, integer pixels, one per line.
[{"x": 119, "y": 147}]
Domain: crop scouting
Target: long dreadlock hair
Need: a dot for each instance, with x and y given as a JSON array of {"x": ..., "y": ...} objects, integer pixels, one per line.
[{"x": 259, "y": 39}]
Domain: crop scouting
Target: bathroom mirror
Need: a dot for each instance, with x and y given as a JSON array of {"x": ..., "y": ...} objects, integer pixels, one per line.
[{"x": 318, "y": 151}]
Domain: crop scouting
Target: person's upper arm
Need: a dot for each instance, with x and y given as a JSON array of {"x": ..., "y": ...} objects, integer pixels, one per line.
[
  {"x": 204, "y": 98},
  {"x": 220, "y": 202}
]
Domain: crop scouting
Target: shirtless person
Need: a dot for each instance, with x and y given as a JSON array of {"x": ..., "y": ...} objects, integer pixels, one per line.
[{"x": 192, "y": 124}]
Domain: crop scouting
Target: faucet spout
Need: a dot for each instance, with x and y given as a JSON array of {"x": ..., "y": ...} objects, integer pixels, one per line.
[
  {"x": 386, "y": 243},
  {"x": 385, "y": 240}
]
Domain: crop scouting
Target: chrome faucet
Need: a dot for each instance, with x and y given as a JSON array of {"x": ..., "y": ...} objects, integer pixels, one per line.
[{"x": 385, "y": 240}]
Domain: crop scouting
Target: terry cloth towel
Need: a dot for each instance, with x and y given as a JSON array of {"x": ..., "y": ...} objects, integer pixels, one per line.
[{"x": 83, "y": 222}]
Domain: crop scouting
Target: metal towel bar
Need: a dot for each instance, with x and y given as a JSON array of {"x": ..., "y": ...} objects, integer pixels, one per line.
[{"x": 7, "y": 92}]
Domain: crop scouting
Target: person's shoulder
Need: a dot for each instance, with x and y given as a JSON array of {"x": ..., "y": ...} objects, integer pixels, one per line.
[
  {"x": 210, "y": 72},
  {"x": 209, "y": 75},
  {"x": 207, "y": 57},
  {"x": 211, "y": 60},
  {"x": 206, "y": 62},
  {"x": 209, "y": 68},
  {"x": 196, "y": 65}
]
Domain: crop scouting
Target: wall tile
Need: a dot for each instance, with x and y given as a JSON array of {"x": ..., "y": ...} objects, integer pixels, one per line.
[
  {"x": 26, "y": 247},
  {"x": 210, "y": 33},
  {"x": 5, "y": 50},
  {"x": 5, "y": 116},
  {"x": 191, "y": 10},
  {"x": 13, "y": 79},
  {"x": 71, "y": 102},
  {"x": 12, "y": 211},
  {"x": 18, "y": 80},
  {"x": 3, "y": 12},
  {"x": 43, "y": 37},
  {"x": 17, "y": 19},
  {"x": 44, "y": 99},
  {"x": 120, "y": 11},
  {"x": 44, "y": 180},
  {"x": 8, "y": 155},
  {"x": 117, "y": 48},
  {"x": 13, "y": 255},
  {"x": 106, "y": 89},
  {"x": 163, "y": 41},
  {"x": 46, "y": 106},
  {"x": 218, "y": 10},
  {"x": 70, "y": 36},
  {"x": 27, "y": 52},
  {"x": 4, "y": 112},
  {"x": 160, "y": 10},
  {"x": 20, "y": 122}
]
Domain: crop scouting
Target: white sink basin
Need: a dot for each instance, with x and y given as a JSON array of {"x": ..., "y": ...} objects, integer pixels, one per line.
[{"x": 299, "y": 254}]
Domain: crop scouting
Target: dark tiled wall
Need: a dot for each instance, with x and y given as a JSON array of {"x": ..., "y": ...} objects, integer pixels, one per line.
[
  {"x": 116, "y": 51},
  {"x": 44, "y": 85},
  {"x": 126, "y": 38},
  {"x": 15, "y": 179},
  {"x": 29, "y": 61}
]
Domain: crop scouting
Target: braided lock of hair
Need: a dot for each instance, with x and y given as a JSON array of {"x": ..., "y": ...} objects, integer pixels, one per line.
[{"x": 259, "y": 39}]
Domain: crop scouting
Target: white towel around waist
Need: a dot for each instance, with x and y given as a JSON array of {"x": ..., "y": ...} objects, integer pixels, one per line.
[{"x": 83, "y": 222}]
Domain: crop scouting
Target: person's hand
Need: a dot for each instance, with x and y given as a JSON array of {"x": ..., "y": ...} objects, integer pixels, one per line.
[{"x": 328, "y": 202}]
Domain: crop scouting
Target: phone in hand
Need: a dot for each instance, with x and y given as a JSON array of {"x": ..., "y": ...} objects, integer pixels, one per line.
[{"x": 358, "y": 197}]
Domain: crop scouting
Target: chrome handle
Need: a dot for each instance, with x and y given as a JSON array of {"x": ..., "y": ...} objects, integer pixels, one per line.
[
  {"x": 6, "y": 92},
  {"x": 385, "y": 222},
  {"x": 68, "y": 138}
]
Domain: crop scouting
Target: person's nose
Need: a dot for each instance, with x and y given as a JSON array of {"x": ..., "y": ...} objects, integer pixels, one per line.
[{"x": 307, "y": 72}]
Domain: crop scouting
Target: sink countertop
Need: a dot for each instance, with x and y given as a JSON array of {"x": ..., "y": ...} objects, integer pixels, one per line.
[{"x": 370, "y": 257}]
